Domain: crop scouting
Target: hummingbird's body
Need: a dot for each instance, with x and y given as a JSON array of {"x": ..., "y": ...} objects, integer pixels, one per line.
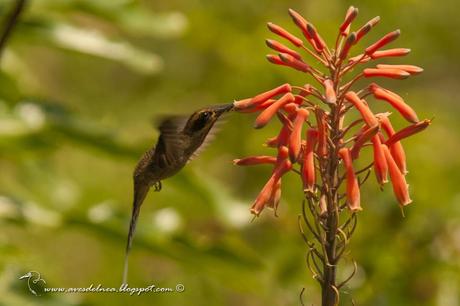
[{"x": 179, "y": 140}]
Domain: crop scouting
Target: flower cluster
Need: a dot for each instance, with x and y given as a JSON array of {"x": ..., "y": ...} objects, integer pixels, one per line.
[{"x": 314, "y": 129}]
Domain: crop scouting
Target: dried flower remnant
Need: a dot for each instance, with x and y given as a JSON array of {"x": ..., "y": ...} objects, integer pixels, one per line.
[{"x": 327, "y": 155}]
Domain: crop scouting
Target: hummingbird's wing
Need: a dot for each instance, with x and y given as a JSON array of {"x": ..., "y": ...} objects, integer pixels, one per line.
[{"x": 170, "y": 128}]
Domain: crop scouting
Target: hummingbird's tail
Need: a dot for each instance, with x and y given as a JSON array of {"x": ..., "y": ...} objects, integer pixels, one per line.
[{"x": 140, "y": 192}]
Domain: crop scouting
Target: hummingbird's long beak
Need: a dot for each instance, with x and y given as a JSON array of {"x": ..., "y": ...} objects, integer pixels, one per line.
[{"x": 220, "y": 109}]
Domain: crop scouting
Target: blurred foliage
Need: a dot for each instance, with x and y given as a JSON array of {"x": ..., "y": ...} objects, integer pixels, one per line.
[{"x": 81, "y": 80}]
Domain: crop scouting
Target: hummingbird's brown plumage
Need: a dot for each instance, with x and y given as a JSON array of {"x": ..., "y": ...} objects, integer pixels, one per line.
[{"x": 179, "y": 140}]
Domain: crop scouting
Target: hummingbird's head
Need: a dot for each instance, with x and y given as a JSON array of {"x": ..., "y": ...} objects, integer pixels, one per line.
[{"x": 203, "y": 120}]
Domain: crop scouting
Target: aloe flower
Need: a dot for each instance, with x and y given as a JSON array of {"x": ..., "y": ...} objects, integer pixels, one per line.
[{"x": 318, "y": 141}]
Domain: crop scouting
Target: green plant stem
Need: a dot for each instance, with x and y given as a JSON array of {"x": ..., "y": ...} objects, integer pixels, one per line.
[{"x": 10, "y": 22}]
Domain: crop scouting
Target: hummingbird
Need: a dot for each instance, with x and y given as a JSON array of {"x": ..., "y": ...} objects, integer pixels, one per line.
[{"x": 180, "y": 139}]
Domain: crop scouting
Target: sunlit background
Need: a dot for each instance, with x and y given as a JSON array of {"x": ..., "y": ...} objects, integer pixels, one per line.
[{"x": 81, "y": 82}]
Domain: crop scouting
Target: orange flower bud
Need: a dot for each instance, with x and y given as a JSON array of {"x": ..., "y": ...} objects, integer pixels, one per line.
[
  {"x": 241, "y": 105},
  {"x": 321, "y": 121},
  {"x": 331, "y": 97},
  {"x": 308, "y": 165},
  {"x": 265, "y": 116},
  {"x": 395, "y": 101},
  {"x": 380, "y": 163},
  {"x": 319, "y": 42},
  {"x": 366, "y": 28},
  {"x": 294, "y": 63},
  {"x": 302, "y": 25},
  {"x": 277, "y": 46},
  {"x": 411, "y": 69},
  {"x": 408, "y": 131},
  {"x": 346, "y": 48},
  {"x": 254, "y": 160},
  {"x": 349, "y": 17},
  {"x": 362, "y": 139},
  {"x": 291, "y": 108},
  {"x": 390, "y": 53},
  {"x": 296, "y": 136},
  {"x": 396, "y": 148},
  {"x": 359, "y": 58},
  {"x": 383, "y": 42},
  {"x": 353, "y": 194},
  {"x": 285, "y": 34},
  {"x": 366, "y": 113},
  {"x": 300, "y": 22},
  {"x": 263, "y": 97},
  {"x": 388, "y": 73},
  {"x": 275, "y": 59},
  {"x": 400, "y": 187}
]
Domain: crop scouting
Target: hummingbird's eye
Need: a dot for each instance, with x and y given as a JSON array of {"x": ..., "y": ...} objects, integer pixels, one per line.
[
  {"x": 201, "y": 120},
  {"x": 205, "y": 115}
]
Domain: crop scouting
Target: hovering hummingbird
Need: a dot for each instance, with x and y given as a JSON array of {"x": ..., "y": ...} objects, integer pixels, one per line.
[{"x": 180, "y": 139}]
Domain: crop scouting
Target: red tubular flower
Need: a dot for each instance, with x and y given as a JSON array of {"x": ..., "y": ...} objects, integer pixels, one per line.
[
  {"x": 321, "y": 119},
  {"x": 277, "y": 46},
  {"x": 329, "y": 91},
  {"x": 394, "y": 100},
  {"x": 302, "y": 25},
  {"x": 270, "y": 111},
  {"x": 285, "y": 34},
  {"x": 291, "y": 108},
  {"x": 396, "y": 148},
  {"x": 293, "y": 62},
  {"x": 254, "y": 160},
  {"x": 282, "y": 166},
  {"x": 349, "y": 17},
  {"x": 319, "y": 42},
  {"x": 408, "y": 131},
  {"x": 359, "y": 58},
  {"x": 411, "y": 69},
  {"x": 346, "y": 48},
  {"x": 366, "y": 113},
  {"x": 400, "y": 187},
  {"x": 325, "y": 143},
  {"x": 390, "y": 53},
  {"x": 275, "y": 197},
  {"x": 240, "y": 105},
  {"x": 275, "y": 59},
  {"x": 353, "y": 193},
  {"x": 380, "y": 163},
  {"x": 260, "y": 98},
  {"x": 366, "y": 28},
  {"x": 387, "y": 73},
  {"x": 385, "y": 40},
  {"x": 295, "y": 138},
  {"x": 362, "y": 139},
  {"x": 308, "y": 165}
]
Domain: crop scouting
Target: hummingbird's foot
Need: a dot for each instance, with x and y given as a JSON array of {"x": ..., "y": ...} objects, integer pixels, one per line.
[{"x": 157, "y": 186}]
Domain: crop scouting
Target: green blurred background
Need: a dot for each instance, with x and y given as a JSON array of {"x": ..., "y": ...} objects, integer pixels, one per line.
[{"x": 80, "y": 83}]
